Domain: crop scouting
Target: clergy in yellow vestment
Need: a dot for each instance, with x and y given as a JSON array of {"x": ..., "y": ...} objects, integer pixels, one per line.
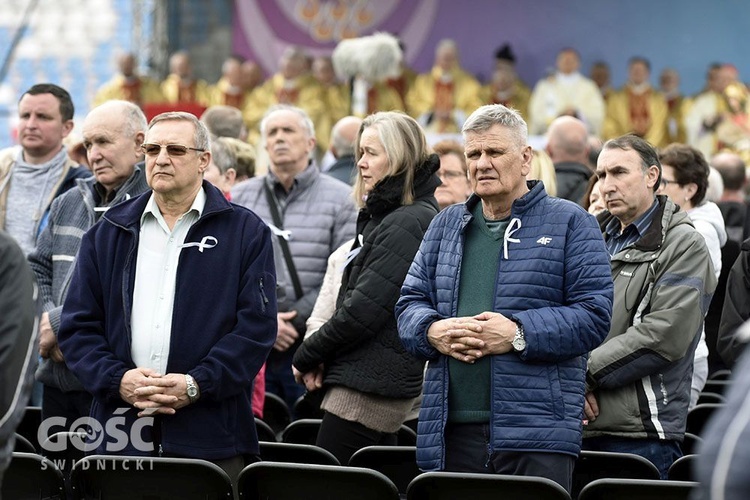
[
  {"x": 505, "y": 88},
  {"x": 180, "y": 86},
  {"x": 637, "y": 108},
  {"x": 442, "y": 99},
  {"x": 127, "y": 85}
]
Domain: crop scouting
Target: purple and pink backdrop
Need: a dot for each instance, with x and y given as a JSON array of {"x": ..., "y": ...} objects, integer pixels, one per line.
[{"x": 684, "y": 34}]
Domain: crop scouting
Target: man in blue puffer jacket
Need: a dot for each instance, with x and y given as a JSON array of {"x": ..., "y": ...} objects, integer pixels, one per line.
[{"x": 506, "y": 296}]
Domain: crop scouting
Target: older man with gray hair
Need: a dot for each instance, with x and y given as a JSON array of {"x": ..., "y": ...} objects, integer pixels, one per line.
[
  {"x": 311, "y": 214},
  {"x": 153, "y": 329},
  {"x": 506, "y": 337},
  {"x": 112, "y": 136}
]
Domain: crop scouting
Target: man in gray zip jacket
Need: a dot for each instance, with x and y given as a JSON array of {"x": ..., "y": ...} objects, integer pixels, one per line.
[
  {"x": 638, "y": 380},
  {"x": 112, "y": 135},
  {"x": 317, "y": 216}
]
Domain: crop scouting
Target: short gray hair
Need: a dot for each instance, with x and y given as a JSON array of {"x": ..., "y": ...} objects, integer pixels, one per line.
[
  {"x": 305, "y": 120},
  {"x": 222, "y": 155},
  {"x": 486, "y": 117},
  {"x": 133, "y": 119},
  {"x": 201, "y": 138}
]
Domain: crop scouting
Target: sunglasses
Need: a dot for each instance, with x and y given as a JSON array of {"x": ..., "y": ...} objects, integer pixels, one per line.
[{"x": 173, "y": 150}]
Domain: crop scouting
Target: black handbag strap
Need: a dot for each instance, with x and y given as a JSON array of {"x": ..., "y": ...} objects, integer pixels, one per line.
[{"x": 276, "y": 216}]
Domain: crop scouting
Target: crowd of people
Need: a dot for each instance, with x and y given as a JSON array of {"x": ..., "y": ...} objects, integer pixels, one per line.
[{"x": 307, "y": 237}]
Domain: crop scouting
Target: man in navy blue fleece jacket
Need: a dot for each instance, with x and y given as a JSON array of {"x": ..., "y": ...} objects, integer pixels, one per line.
[{"x": 171, "y": 311}]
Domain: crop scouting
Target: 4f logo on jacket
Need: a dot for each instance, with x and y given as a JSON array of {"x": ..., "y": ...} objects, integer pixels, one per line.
[{"x": 544, "y": 240}]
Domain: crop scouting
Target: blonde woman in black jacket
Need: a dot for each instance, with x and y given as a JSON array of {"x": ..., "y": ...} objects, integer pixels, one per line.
[{"x": 356, "y": 357}]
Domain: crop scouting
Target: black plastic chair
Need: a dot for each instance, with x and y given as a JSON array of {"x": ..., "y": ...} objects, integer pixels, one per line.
[
  {"x": 276, "y": 413},
  {"x": 307, "y": 407},
  {"x": 720, "y": 375},
  {"x": 682, "y": 469},
  {"x": 125, "y": 478},
  {"x": 406, "y": 436},
  {"x": 23, "y": 445},
  {"x": 265, "y": 433},
  {"x": 690, "y": 444},
  {"x": 65, "y": 449},
  {"x": 452, "y": 485},
  {"x": 593, "y": 465},
  {"x": 710, "y": 398},
  {"x": 717, "y": 386},
  {"x": 29, "y": 425},
  {"x": 397, "y": 463},
  {"x": 264, "y": 480},
  {"x": 31, "y": 477},
  {"x": 699, "y": 416},
  {"x": 303, "y": 431},
  {"x": 640, "y": 489},
  {"x": 296, "y": 453}
]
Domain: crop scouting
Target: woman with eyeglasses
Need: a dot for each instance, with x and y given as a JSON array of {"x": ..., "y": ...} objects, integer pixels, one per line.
[
  {"x": 685, "y": 180},
  {"x": 356, "y": 357}
]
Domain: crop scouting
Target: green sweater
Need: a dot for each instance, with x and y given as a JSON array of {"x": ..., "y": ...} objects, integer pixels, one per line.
[{"x": 469, "y": 384}]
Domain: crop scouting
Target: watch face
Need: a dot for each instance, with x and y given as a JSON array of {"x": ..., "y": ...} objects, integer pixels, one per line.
[
  {"x": 192, "y": 392},
  {"x": 519, "y": 344}
]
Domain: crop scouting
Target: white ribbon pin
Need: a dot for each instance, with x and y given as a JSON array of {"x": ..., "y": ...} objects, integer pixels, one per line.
[{"x": 206, "y": 242}]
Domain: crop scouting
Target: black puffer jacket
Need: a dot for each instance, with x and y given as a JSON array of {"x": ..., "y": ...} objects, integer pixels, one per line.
[{"x": 359, "y": 346}]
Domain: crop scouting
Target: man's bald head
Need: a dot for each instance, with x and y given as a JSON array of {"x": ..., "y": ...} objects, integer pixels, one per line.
[
  {"x": 732, "y": 170},
  {"x": 567, "y": 140},
  {"x": 344, "y": 135}
]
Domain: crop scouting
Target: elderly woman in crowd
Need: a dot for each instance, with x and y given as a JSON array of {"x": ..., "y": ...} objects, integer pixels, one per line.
[
  {"x": 356, "y": 357},
  {"x": 685, "y": 180}
]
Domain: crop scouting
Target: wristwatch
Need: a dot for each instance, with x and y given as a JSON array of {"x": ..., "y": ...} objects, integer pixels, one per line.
[
  {"x": 192, "y": 388},
  {"x": 519, "y": 341}
]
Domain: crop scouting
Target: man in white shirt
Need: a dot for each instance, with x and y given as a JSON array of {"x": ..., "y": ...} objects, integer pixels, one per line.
[{"x": 172, "y": 310}]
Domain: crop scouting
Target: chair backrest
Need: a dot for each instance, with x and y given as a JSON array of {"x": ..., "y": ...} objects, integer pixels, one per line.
[
  {"x": 296, "y": 453},
  {"x": 307, "y": 407},
  {"x": 29, "y": 425},
  {"x": 406, "y": 436},
  {"x": 263, "y": 480},
  {"x": 699, "y": 416},
  {"x": 711, "y": 397},
  {"x": 31, "y": 477},
  {"x": 640, "y": 489},
  {"x": 682, "y": 469},
  {"x": 593, "y": 465},
  {"x": 717, "y": 386},
  {"x": 303, "y": 431},
  {"x": 23, "y": 445},
  {"x": 397, "y": 463},
  {"x": 265, "y": 432},
  {"x": 276, "y": 413},
  {"x": 124, "y": 478},
  {"x": 721, "y": 374},
  {"x": 690, "y": 444},
  {"x": 451, "y": 485}
]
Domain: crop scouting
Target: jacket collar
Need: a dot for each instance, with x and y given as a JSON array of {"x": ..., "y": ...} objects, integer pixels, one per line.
[
  {"x": 387, "y": 194},
  {"x": 663, "y": 219},
  {"x": 301, "y": 181},
  {"x": 521, "y": 205},
  {"x": 128, "y": 213}
]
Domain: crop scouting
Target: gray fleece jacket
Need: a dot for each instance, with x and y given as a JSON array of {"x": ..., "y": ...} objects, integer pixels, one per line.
[{"x": 53, "y": 260}]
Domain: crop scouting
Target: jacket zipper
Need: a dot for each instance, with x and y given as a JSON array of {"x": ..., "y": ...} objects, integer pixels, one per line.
[{"x": 264, "y": 299}]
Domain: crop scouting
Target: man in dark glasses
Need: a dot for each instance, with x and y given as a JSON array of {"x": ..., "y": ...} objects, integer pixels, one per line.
[{"x": 172, "y": 310}]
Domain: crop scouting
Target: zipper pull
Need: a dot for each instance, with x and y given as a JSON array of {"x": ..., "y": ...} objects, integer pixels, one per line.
[{"x": 161, "y": 450}]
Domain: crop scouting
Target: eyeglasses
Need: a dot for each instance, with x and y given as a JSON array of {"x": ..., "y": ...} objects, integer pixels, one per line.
[
  {"x": 173, "y": 150},
  {"x": 450, "y": 174},
  {"x": 666, "y": 182}
]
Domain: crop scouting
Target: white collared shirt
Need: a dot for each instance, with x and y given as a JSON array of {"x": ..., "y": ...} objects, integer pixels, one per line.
[{"x": 155, "y": 276}]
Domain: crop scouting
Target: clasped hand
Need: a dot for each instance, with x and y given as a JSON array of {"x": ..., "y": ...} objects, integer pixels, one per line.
[
  {"x": 470, "y": 338},
  {"x": 152, "y": 392}
]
